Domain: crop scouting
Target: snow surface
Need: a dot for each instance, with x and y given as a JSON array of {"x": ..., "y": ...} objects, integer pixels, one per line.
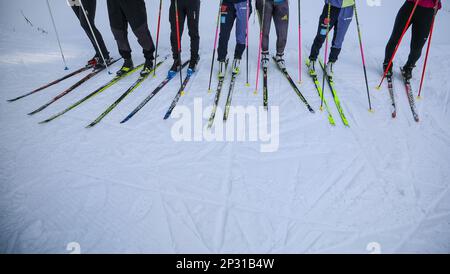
[{"x": 381, "y": 185}]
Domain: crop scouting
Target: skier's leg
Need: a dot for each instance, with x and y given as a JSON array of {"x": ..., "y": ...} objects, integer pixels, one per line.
[
  {"x": 322, "y": 30},
  {"x": 119, "y": 25},
  {"x": 227, "y": 17},
  {"x": 173, "y": 31},
  {"x": 399, "y": 25},
  {"x": 90, "y": 7},
  {"x": 266, "y": 21},
  {"x": 281, "y": 21},
  {"x": 241, "y": 29},
  {"x": 193, "y": 18},
  {"x": 136, "y": 14},
  {"x": 341, "y": 26},
  {"x": 421, "y": 27}
]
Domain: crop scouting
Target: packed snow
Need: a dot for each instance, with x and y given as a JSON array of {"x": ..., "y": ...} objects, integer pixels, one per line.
[{"x": 381, "y": 185}]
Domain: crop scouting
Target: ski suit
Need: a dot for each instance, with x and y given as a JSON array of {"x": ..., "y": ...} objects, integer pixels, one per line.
[
  {"x": 90, "y": 6},
  {"x": 341, "y": 15},
  {"x": 421, "y": 25},
  {"x": 279, "y": 11},
  {"x": 133, "y": 12},
  {"x": 190, "y": 10},
  {"x": 231, "y": 11}
]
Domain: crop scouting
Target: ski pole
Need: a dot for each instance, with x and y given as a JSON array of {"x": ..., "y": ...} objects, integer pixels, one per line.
[
  {"x": 215, "y": 46},
  {"x": 57, "y": 35},
  {"x": 157, "y": 37},
  {"x": 95, "y": 38},
  {"x": 398, "y": 44},
  {"x": 299, "y": 44},
  {"x": 428, "y": 48},
  {"x": 178, "y": 41},
  {"x": 327, "y": 21},
  {"x": 247, "y": 32},
  {"x": 261, "y": 24},
  {"x": 362, "y": 55}
]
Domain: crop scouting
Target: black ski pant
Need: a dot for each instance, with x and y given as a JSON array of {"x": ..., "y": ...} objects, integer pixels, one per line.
[
  {"x": 90, "y": 7},
  {"x": 421, "y": 25},
  {"x": 190, "y": 10},
  {"x": 133, "y": 12},
  {"x": 279, "y": 12}
]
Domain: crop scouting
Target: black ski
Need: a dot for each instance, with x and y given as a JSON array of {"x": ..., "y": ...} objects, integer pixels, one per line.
[
  {"x": 67, "y": 91},
  {"x": 78, "y": 71},
  {"x": 217, "y": 96},
  {"x": 177, "y": 97},
  {"x": 265, "y": 89},
  {"x": 133, "y": 87},
  {"x": 150, "y": 96},
  {"x": 392, "y": 96},
  {"x": 409, "y": 94},
  {"x": 92, "y": 94},
  {"x": 230, "y": 95},
  {"x": 180, "y": 93},
  {"x": 294, "y": 86}
]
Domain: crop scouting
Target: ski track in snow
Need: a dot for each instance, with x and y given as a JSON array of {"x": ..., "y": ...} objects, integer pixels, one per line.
[{"x": 130, "y": 188}]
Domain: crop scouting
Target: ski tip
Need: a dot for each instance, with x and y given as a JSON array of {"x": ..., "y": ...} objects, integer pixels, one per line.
[
  {"x": 417, "y": 120},
  {"x": 10, "y": 100},
  {"x": 166, "y": 117},
  {"x": 91, "y": 125},
  {"x": 31, "y": 113},
  {"x": 44, "y": 122},
  {"x": 124, "y": 120},
  {"x": 394, "y": 115},
  {"x": 66, "y": 68}
]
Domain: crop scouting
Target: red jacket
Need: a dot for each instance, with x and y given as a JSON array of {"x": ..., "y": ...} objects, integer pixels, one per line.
[{"x": 427, "y": 3}]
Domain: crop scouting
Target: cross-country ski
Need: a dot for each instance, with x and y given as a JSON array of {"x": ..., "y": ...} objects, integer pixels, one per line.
[{"x": 224, "y": 127}]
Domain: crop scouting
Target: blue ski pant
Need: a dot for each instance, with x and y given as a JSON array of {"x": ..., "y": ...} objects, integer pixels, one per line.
[
  {"x": 340, "y": 19},
  {"x": 229, "y": 14}
]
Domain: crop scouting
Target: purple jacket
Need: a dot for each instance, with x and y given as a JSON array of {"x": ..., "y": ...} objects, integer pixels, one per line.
[{"x": 427, "y": 3}]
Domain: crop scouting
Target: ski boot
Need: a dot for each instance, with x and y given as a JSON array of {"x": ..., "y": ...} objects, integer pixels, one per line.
[
  {"x": 174, "y": 69},
  {"x": 222, "y": 67},
  {"x": 329, "y": 70},
  {"x": 265, "y": 59},
  {"x": 236, "y": 65},
  {"x": 126, "y": 67},
  {"x": 192, "y": 66},
  {"x": 91, "y": 63},
  {"x": 389, "y": 72},
  {"x": 311, "y": 64},
  {"x": 280, "y": 61},
  {"x": 147, "y": 69},
  {"x": 101, "y": 65},
  {"x": 407, "y": 71}
]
